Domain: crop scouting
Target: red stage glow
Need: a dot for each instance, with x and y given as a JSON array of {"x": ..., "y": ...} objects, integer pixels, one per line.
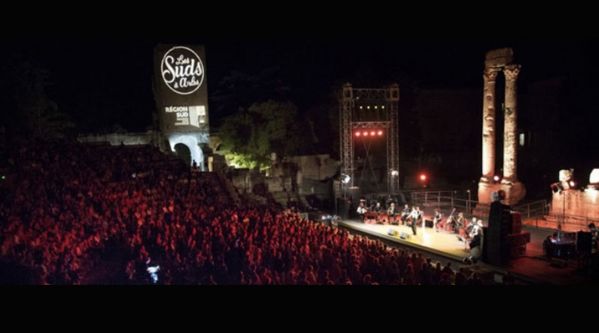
[
  {"x": 423, "y": 177},
  {"x": 374, "y": 133}
]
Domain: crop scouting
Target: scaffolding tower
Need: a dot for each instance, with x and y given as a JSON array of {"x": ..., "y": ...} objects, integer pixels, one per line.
[{"x": 369, "y": 109}]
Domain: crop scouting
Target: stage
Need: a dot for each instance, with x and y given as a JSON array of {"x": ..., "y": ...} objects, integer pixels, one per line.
[{"x": 441, "y": 243}]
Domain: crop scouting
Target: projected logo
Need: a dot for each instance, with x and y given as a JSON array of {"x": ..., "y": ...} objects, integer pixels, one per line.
[
  {"x": 188, "y": 115},
  {"x": 182, "y": 70}
]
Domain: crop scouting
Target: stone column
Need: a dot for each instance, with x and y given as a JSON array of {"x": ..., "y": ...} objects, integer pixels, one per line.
[
  {"x": 489, "y": 76},
  {"x": 510, "y": 136}
]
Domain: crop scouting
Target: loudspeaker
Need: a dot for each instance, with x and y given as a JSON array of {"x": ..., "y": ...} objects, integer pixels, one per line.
[
  {"x": 485, "y": 240},
  {"x": 429, "y": 223},
  {"x": 496, "y": 248},
  {"x": 517, "y": 251},
  {"x": 520, "y": 239},
  {"x": 516, "y": 223}
]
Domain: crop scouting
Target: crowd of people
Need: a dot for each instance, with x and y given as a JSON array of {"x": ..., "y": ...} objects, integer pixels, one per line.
[{"x": 78, "y": 211}]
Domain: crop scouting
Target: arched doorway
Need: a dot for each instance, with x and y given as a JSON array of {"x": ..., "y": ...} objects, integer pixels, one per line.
[
  {"x": 183, "y": 152},
  {"x": 186, "y": 147}
]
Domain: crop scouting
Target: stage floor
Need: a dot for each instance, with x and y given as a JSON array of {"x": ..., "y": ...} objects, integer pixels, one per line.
[
  {"x": 441, "y": 243},
  {"x": 533, "y": 268}
]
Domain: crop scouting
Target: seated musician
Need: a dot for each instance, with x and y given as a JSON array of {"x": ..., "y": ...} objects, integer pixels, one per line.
[
  {"x": 377, "y": 211},
  {"x": 388, "y": 201},
  {"x": 468, "y": 230},
  {"x": 405, "y": 214},
  {"x": 391, "y": 212},
  {"x": 437, "y": 216},
  {"x": 362, "y": 209},
  {"x": 472, "y": 228},
  {"x": 450, "y": 222},
  {"x": 460, "y": 222},
  {"x": 476, "y": 228},
  {"x": 475, "y": 243},
  {"x": 461, "y": 225}
]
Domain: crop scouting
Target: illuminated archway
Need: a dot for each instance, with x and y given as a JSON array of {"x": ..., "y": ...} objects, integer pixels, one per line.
[
  {"x": 184, "y": 153},
  {"x": 191, "y": 141}
]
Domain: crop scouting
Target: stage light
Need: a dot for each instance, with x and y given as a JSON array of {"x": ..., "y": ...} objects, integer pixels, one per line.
[
  {"x": 594, "y": 177},
  {"x": 383, "y": 107},
  {"x": 345, "y": 179},
  {"x": 373, "y": 133},
  {"x": 572, "y": 184},
  {"x": 376, "y": 107},
  {"x": 361, "y": 107},
  {"x": 368, "y": 107},
  {"x": 365, "y": 133},
  {"x": 496, "y": 178},
  {"x": 380, "y": 133},
  {"x": 394, "y": 173},
  {"x": 358, "y": 134},
  {"x": 423, "y": 178}
]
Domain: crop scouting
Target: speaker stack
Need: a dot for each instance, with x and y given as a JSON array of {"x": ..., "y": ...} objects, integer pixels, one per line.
[{"x": 500, "y": 241}]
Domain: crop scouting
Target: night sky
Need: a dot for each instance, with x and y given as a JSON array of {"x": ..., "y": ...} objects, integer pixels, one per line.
[
  {"x": 107, "y": 80},
  {"x": 113, "y": 77}
]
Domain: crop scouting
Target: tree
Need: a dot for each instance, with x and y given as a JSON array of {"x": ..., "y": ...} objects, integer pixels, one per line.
[
  {"x": 250, "y": 137},
  {"x": 35, "y": 112}
]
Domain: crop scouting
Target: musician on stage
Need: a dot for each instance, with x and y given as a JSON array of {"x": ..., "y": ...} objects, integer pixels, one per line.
[
  {"x": 389, "y": 201},
  {"x": 462, "y": 228},
  {"x": 475, "y": 227},
  {"x": 391, "y": 212},
  {"x": 416, "y": 217},
  {"x": 437, "y": 216},
  {"x": 470, "y": 226},
  {"x": 405, "y": 214},
  {"x": 475, "y": 243},
  {"x": 472, "y": 229},
  {"x": 361, "y": 210},
  {"x": 450, "y": 222},
  {"x": 377, "y": 208},
  {"x": 460, "y": 222}
]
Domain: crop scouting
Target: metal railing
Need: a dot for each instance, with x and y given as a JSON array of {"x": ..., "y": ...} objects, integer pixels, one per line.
[
  {"x": 573, "y": 220},
  {"x": 462, "y": 201},
  {"x": 444, "y": 200},
  {"x": 539, "y": 208}
]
